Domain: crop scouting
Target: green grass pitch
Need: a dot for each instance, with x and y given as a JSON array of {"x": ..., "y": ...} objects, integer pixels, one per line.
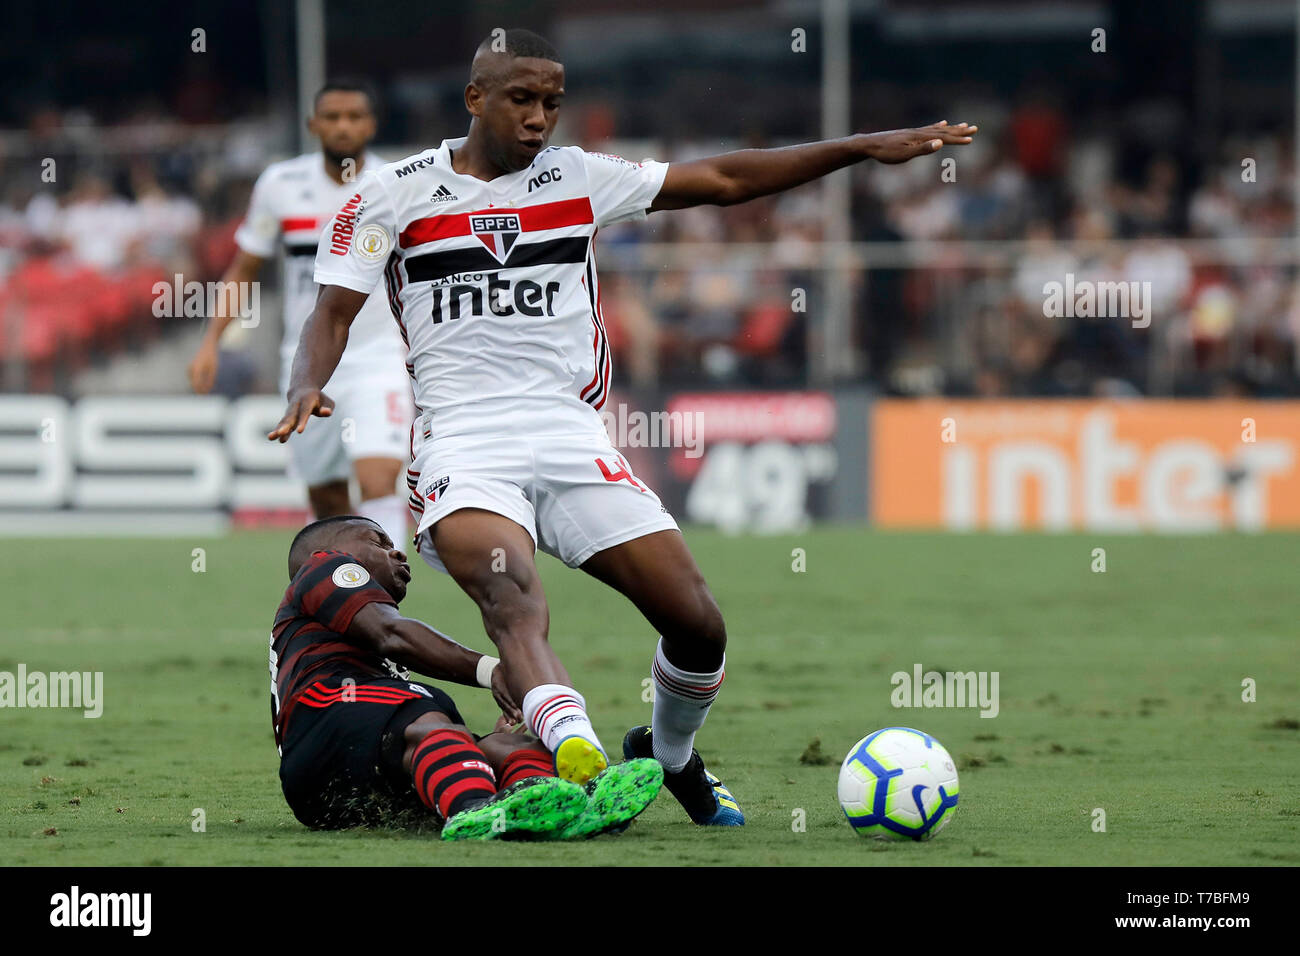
[{"x": 1119, "y": 690}]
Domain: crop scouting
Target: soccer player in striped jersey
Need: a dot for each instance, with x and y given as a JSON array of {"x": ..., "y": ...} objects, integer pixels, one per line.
[
  {"x": 361, "y": 743},
  {"x": 485, "y": 245},
  {"x": 369, "y": 437}
]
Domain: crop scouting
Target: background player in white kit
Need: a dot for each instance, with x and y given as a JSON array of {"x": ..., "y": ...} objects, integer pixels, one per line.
[
  {"x": 369, "y": 434},
  {"x": 490, "y": 265}
]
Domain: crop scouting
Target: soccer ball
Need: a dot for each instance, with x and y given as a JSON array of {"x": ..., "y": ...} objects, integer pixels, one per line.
[{"x": 898, "y": 784}]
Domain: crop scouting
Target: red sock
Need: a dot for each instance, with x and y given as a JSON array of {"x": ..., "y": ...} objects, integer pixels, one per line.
[
  {"x": 524, "y": 763},
  {"x": 450, "y": 771}
]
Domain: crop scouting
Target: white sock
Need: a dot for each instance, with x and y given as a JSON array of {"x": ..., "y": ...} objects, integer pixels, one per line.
[
  {"x": 390, "y": 513},
  {"x": 553, "y": 712},
  {"x": 682, "y": 701}
]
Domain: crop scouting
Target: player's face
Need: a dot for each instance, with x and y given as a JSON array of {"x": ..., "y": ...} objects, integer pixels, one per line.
[
  {"x": 519, "y": 113},
  {"x": 344, "y": 123},
  {"x": 375, "y": 550}
]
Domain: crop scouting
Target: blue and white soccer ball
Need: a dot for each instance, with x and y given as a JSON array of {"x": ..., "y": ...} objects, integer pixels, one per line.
[{"x": 898, "y": 784}]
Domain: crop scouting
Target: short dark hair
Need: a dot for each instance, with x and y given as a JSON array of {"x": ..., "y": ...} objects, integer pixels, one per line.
[
  {"x": 513, "y": 43},
  {"x": 317, "y": 536},
  {"x": 348, "y": 84},
  {"x": 520, "y": 42}
]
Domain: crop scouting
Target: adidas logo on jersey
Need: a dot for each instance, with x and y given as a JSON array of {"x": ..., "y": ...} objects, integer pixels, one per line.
[{"x": 442, "y": 194}]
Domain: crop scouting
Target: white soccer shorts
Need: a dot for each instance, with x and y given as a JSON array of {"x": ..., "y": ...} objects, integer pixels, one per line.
[
  {"x": 372, "y": 419},
  {"x": 557, "y": 476}
]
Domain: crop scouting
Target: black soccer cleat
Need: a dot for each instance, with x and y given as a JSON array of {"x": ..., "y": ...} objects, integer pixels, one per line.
[{"x": 706, "y": 801}]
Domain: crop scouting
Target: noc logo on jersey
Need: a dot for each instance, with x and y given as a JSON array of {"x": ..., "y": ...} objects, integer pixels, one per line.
[
  {"x": 497, "y": 232},
  {"x": 551, "y": 175}
]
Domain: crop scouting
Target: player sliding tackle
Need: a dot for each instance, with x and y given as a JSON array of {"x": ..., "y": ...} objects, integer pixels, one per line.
[
  {"x": 362, "y": 744},
  {"x": 485, "y": 246}
]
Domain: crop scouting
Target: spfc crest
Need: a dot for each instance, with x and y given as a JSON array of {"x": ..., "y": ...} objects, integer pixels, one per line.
[
  {"x": 497, "y": 231},
  {"x": 438, "y": 487}
]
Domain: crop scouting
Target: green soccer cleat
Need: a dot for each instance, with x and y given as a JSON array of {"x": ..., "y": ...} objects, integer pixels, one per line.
[
  {"x": 615, "y": 798},
  {"x": 533, "y": 808}
]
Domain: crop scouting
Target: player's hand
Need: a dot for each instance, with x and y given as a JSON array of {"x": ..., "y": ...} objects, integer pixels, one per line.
[
  {"x": 505, "y": 725},
  {"x": 203, "y": 368},
  {"x": 900, "y": 145},
  {"x": 501, "y": 694},
  {"x": 302, "y": 406}
]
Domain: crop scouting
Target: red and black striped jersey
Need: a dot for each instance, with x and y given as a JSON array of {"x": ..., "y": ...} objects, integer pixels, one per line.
[{"x": 308, "y": 639}]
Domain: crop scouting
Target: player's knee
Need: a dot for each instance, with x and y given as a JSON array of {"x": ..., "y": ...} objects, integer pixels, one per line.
[
  {"x": 513, "y": 743},
  {"x": 377, "y": 477},
  {"x": 370, "y": 490},
  {"x": 419, "y": 729}
]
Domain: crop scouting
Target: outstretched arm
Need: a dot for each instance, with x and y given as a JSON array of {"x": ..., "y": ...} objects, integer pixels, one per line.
[
  {"x": 382, "y": 629},
  {"x": 243, "y": 271},
  {"x": 749, "y": 173},
  {"x": 324, "y": 336}
]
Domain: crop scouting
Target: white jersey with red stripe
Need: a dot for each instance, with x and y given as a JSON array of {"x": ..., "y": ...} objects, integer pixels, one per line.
[
  {"x": 494, "y": 282},
  {"x": 291, "y": 202}
]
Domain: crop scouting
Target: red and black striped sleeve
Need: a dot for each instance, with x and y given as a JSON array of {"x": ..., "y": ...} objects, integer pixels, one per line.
[{"x": 333, "y": 586}]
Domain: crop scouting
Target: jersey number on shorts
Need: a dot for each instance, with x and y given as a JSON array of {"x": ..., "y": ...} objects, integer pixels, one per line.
[{"x": 623, "y": 472}]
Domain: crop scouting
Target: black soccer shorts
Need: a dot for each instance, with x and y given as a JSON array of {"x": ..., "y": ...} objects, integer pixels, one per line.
[{"x": 341, "y": 764}]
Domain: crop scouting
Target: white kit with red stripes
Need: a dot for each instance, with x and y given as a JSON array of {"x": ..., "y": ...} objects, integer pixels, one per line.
[
  {"x": 494, "y": 283},
  {"x": 291, "y": 202}
]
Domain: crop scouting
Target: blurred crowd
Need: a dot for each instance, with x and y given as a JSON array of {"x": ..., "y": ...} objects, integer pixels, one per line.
[
  {"x": 85, "y": 236},
  {"x": 1036, "y": 201},
  {"x": 964, "y": 309}
]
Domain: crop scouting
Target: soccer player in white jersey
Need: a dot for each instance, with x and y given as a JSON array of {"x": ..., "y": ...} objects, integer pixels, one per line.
[
  {"x": 370, "y": 433},
  {"x": 485, "y": 246}
]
